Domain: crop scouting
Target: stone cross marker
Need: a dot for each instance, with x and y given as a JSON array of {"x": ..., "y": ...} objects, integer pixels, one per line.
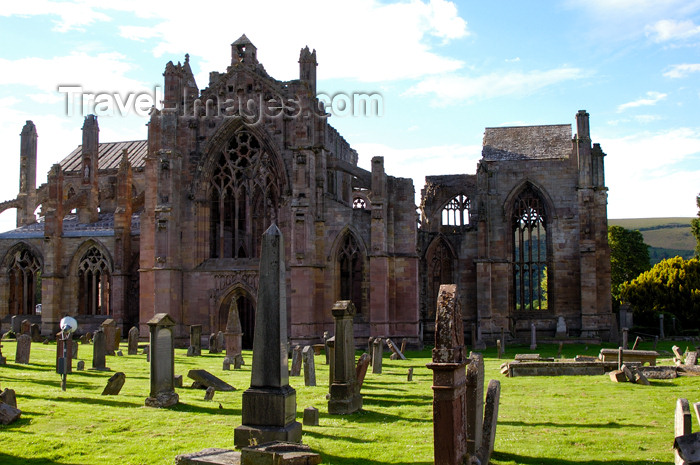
[
  {"x": 195, "y": 348},
  {"x": 133, "y": 341},
  {"x": 449, "y": 380},
  {"x": 99, "y": 351},
  {"x": 109, "y": 326},
  {"x": 162, "y": 354},
  {"x": 296, "y": 361},
  {"x": 377, "y": 353},
  {"x": 345, "y": 396},
  {"x": 24, "y": 346},
  {"x": 309, "y": 366},
  {"x": 269, "y": 405}
]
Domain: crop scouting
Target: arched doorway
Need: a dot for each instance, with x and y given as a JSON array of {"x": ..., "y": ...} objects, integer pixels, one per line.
[{"x": 246, "y": 313}]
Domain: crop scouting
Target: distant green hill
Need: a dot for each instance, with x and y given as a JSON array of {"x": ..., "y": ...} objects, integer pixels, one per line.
[{"x": 666, "y": 237}]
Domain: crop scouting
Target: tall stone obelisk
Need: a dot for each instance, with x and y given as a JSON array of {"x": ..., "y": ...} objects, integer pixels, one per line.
[{"x": 269, "y": 405}]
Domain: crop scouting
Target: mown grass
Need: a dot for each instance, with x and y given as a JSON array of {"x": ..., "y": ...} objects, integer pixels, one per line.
[{"x": 557, "y": 420}]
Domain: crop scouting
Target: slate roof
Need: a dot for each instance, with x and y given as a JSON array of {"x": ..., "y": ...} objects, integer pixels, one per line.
[
  {"x": 110, "y": 155},
  {"x": 527, "y": 142},
  {"x": 71, "y": 228}
]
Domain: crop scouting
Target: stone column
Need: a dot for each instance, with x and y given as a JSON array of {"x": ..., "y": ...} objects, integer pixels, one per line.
[
  {"x": 162, "y": 352},
  {"x": 269, "y": 405},
  {"x": 449, "y": 380},
  {"x": 345, "y": 397}
]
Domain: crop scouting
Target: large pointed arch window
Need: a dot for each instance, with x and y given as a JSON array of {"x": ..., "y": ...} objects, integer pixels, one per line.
[
  {"x": 440, "y": 259},
  {"x": 94, "y": 282},
  {"x": 351, "y": 264},
  {"x": 529, "y": 251},
  {"x": 24, "y": 274},
  {"x": 456, "y": 211},
  {"x": 244, "y": 198}
]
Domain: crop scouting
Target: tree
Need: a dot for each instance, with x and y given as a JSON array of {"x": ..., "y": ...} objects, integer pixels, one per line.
[
  {"x": 695, "y": 228},
  {"x": 671, "y": 286},
  {"x": 629, "y": 257}
]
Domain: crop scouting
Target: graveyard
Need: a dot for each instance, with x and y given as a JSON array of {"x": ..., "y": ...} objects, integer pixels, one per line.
[{"x": 541, "y": 420}]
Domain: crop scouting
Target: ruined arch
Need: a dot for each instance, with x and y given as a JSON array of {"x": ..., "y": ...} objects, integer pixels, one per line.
[
  {"x": 351, "y": 269},
  {"x": 22, "y": 266},
  {"x": 90, "y": 279},
  {"x": 440, "y": 259}
]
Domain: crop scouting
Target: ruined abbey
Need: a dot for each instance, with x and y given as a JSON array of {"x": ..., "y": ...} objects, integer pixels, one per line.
[{"x": 173, "y": 224}]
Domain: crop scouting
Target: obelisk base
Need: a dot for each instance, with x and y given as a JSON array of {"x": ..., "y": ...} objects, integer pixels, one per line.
[{"x": 268, "y": 414}]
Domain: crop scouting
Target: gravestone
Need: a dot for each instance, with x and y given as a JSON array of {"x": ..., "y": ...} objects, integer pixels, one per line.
[
  {"x": 361, "y": 369},
  {"x": 677, "y": 353},
  {"x": 177, "y": 381},
  {"x": 625, "y": 338},
  {"x": 560, "y": 350},
  {"x": 661, "y": 326},
  {"x": 24, "y": 346},
  {"x": 409, "y": 376},
  {"x": 330, "y": 343},
  {"x": 68, "y": 362},
  {"x": 238, "y": 362},
  {"x": 503, "y": 341},
  {"x": 395, "y": 350},
  {"x": 35, "y": 333},
  {"x": 75, "y": 348},
  {"x": 370, "y": 349},
  {"x": 26, "y": 327},
  {"x": 117, "y": 337},
  {"x": 561, "y": 328},
  {"x": 377, "y": 353},
  {"x": 213, "y": 344},
  {"x": 637, "y": 340},
  {"x": 80, "y": 365},
  {"x": 493, "y": 394},
  {"x": 403, "y": 345},
  {"x": 307, "y": 354},
  {"x": 325, "y": 346},
  {"x": 162, "y": 361},
  {"x": 114, "y": 384},
  {"x": 99, "y": 350},
  {"x": 133, "y": 346},
  {"x": 3, "y": 359},
  {"x": 8, "y": 413},
  {"x": 209, "y": 394},
  {"x": 533, "y": 337},
  {"x": 109, "y": 326},
  {"x": 278, "y": 453},
  {"x": 195, "y": 348},
  {"x": 498, "y": 347},
  {"x": 310, "y": 416},
  {"x": 345, "y": 395},
  {"x": 691, "y": 359},
  {"x": 220, "y": 341},
  {"x": 15, "y": 324},
  {"x": 9, "y": 397},
  {"x": 204, "y": 379},
  {"x": 269, "y": 405},
  {"x": 475, "y": 402},
  {"x": 682, "y": 425},
  {"x": 233, "y": 335},
  {"x": 449, "y": 380},
  {"x": 226, "y": 366},
  {"x": 296, "y": 361}
]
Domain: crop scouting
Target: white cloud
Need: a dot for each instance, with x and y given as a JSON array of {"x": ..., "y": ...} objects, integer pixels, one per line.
[
  {"x": 454, "y": 88},
  {"x": 140, "y": 33},
  {"x": 668, "y": 29},
  {"x": 682, "y": 70},
  {"x": 70, "y": 15},
  {"x": 647, "y": 173},
  {"x": 652, "y": 99}
]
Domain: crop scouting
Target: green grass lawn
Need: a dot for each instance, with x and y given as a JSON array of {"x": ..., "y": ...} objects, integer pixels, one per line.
[{"x": 557, "y": 420}]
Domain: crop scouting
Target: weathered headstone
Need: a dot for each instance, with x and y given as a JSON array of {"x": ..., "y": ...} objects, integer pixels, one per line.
[
  {"x": 325, "y": 344},
  {"x": 35, "y": 333},
  {"x": 68, "y": 362},
  {"x": 345, "y": 397},
  {"x": 395, "y": 349},
  {"x": 205, "y": 379},
  {"x": 114, "y": 384},
  {"x": 361, "y": 369},
  {"x": 296, "y": 361},
  {"x": 195, "y": 348},
  {"x": 403, "y": 346},
  {"x": 15, "y": 324},
  {"x": 449, "y": 380},
  {"x": 370, "y": 349},
  {"x": 377, "y": 353},
  {"x": 238, "y": 362},
  {"x": 493, "y": 395},
  {"x": 677, "y": 352},
  {"x": 9, "y": 397},
  {"x": 637, "y": 340},
  {"x": 683, "y": 418},
  {"x": 233, "y": 335},
  {"x": 3, "y": 359},
  {"x": 209, "y": 394},
  {"x": 561, "y": 328},
  {"x": 24, "y": 346},
  {"x": 117, "y": 337},
  {"x": 561, "y": 349},
  {"x": 9, "y": 414},
  {"x": 99, "y": 350},
  {"x": 109, "y": 326},
  {"x": 618, "y": 376},
  {"x": 213, "y": 344},
  {"x": 162, "y": 361},
  {"x": 226, "y": 366},
  {"x": 26, "y": 327},
  {"x": 310, "y": 416},
  {"x": 269, "y": 405},
  {"x": 307, "y": 355},
  {"x": 74, "y": 348},
  {"x": 625, "y": 338},
  {"x": 80, "y": 365},
  {"x": 133, "y": 345},
  {"x": 474, "y": 402},
  {"x": 409, "y": 376},
  {"x": 691, "y": 359},
  {"x": 330, "y": 343},
  {"x": 220, "y": 341},
  {"x": 533, "y": 337},
  {"x": 278, "y": 453},
  {"x": 498, "y": 347}
]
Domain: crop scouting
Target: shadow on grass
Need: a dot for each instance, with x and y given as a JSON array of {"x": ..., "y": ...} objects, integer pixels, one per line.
[
  {"x": 524, "y": 460},
  {"x": 333, "y": 437},
  {"x": 107, "y": 400},
  {"x": 214, "y": 409},
  {"x": 337, "y": 460},
  {"x": 371, "y": 416},
  {"x": 6, "y": 459},
  {"x": 610, "y": 424}
]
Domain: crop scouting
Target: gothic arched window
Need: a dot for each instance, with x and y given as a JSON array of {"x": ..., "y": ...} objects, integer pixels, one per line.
[
  {"x": 244, "y": 198},
  {"x": 439, "y": 272},
  {"x": 529, "y": 251},
  {"x": 456, "y": 211},
  {"x": 351, "y": 266},
  {"x": 24, "y": 277},
  {"x": 94, "y": 282},
  {"x": 359, "y": 203}
]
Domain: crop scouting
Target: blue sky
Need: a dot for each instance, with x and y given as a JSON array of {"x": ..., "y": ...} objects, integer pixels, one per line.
[{"x": 444, "y": 70}]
